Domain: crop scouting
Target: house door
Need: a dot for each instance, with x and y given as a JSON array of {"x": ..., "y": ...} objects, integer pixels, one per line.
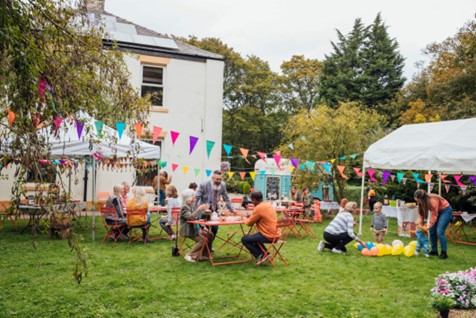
[{"x": 272, "y": 188}]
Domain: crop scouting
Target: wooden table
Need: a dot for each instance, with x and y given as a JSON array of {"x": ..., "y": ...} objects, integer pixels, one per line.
[{"x": 237, "y": 247}]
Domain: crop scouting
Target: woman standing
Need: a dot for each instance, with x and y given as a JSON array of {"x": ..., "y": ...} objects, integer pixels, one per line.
[{"x": 440, "y": 215}]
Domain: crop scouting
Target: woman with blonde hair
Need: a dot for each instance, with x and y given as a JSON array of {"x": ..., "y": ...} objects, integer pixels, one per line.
[
  {"x": 340, "y": 231},
  {"x": 139, "y": 202},
  {"x": 437, "y": 212},
  {"x": 115, "y": 201},
  {"x": 173, "y": 201}
]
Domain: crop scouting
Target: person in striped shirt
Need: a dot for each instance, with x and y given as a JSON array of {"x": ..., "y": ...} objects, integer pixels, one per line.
[{"x": 340, "y": 231}]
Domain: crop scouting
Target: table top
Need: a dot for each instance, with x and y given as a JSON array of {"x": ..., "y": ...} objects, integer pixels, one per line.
[
  {"x": 217, "y": 222},
  {"x": 157, "y": 208},
  {"x": 329, "y": 205}
]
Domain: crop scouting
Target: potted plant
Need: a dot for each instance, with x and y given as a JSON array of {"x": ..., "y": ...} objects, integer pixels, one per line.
[{"x": 442, "y": 303}]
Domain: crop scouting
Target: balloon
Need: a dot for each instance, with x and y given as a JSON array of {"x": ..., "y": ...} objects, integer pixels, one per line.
[
  {"x": 412, "y": 243},
  {"x": 365, "y": 252},
  {"x": 356, "y": 245},
  {"x": 370, "y": 245},
  {"x": 397, "y": 249},
  {"x": 388, "y": 250},
  {"x": 409, "y": 250},
  {"x": 381, "y": 249},
  {"x": 360, "y": 247},
  {"x": 397, "y": 242},
  {"x": 373, "y": 251}
]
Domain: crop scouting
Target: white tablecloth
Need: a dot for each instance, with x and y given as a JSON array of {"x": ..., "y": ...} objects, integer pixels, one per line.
[
  {"x": 326, "y": 205},
  {"x": 403, "y": 213}
]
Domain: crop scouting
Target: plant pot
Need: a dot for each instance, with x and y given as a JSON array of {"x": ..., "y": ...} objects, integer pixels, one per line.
[{"x": 443, "y": 313}]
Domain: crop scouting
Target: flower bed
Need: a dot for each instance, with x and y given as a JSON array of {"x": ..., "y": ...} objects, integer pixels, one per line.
[{"x": 457, "y": 289}]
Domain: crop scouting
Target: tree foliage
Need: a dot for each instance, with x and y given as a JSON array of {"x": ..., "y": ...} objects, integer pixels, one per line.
[{"x": 330, "y": 134}]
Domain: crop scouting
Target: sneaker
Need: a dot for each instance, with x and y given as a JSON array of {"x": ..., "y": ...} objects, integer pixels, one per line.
[
  {"x": 188, "y": 258},
  {"x": 443, "y": 255},
  {"x": 434, "y": 253},
  {"x": 416, "y": 253},
  {"x": 262, "y": 260},
  {"x": 427, "y": 255},
  {"x": 336, "y": 251},
  {"x": 172, "y": 237},
  {"x": 321, "y": 246}
]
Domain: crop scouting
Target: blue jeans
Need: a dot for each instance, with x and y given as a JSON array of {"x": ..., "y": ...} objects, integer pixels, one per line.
[
  {"x": 422, "y": 242},
  {"x": 162, "y": 197},
  {"x": 254, "y": 243},
  {"x": 438, "y": 230}
]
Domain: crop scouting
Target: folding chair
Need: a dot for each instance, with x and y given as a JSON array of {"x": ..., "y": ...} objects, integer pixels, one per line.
[
  {"x": 274, "y": 248},
  {"x": 236, "y": 203},
  {"x": 114, "y": 229},
  {"x": 137, "y": 220}
]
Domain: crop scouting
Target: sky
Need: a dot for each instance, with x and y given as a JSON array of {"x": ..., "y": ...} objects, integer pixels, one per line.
[{"x": 275, "y": 30}]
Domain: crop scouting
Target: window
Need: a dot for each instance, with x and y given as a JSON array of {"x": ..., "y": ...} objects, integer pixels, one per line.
[{"x": 153, "y": 83}]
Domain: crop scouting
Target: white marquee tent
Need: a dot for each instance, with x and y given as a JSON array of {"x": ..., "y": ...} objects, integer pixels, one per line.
[{"x": 443, "y": 147}]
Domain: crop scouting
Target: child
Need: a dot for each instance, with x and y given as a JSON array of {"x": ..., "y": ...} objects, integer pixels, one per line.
[
  {"x": 379, "y": 223},
  {"x": 422, "y": 240}
]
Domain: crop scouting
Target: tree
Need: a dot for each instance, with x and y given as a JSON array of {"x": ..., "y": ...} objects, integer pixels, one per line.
[
  {"x": 52, "y": 64},
  {"x": 300, "y": 83},
  {"x": 330, "y": 134}
]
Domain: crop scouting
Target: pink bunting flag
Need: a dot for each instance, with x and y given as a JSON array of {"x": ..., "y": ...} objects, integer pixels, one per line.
[
  {"x": 156, "y": 133},
  {"x": 138, "y": 127},
  {"x": 277, "y": 159},
  {"x": 357, "y": 172},
  {"x": 174, "y": 167},
  {"x": 341, "y": 171},
  {"x": 244, "y": 152},
  {"x": 428, "y": 177},
  {"x": 41, "y": 88},
  {"x": 262, "y": 155},
  {"x": 447, "y": 188},
  {"x": 193, "y": 143},
  {"x": 457, "y": 178},
  {"x": 371, "y": 173},
  {"x": 392, "y": 176},
  {"x": 43, "y": 161},
  {"x": 58, "y": 120},
  {"x": 443, "y": 176},
  {"x": 295, "y": 162},
  {"x": 242, "y": 175},
  {"x": 174, "y": 135}
]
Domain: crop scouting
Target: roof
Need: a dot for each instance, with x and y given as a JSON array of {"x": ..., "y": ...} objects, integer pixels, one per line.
[
  {"x": 141, "y": 39},
  {"x": 447, "y": 146}
]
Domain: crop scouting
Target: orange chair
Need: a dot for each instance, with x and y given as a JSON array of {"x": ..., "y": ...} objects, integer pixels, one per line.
[
  {"x": 101, "y": 199},
  {"x": 137, "y": 220},
  {"x": 113, "y": 229},
  {"x": 236, "y": 203},
  {"x": 274, "y": 248}
]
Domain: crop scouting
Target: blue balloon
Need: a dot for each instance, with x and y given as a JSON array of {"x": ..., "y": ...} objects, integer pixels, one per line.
[
  {"x": 370, "y": 245},
  {"x": 360, "y": 247}
]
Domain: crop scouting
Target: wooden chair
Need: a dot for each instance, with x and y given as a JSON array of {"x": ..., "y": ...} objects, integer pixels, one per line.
[
  {"x": 113, "y": 229},
  {"x": 273, "y": 252},
  {"x": 137, "y": 220}
]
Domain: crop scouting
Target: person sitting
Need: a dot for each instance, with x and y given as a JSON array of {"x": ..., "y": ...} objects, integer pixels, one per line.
[
  {"x": 172, "y": 202},
  {"x": 139, "y": 202},
  {"x": 340, "y": 231},
  {"x": 307, "y": 200},
  {"x": 115, "y": 201},
  {"x": 202, "y": 236},
  {"x": 193, "y": 186},
  {"x": 295, "y": 195},
  {"x": 266, "y": 220}
]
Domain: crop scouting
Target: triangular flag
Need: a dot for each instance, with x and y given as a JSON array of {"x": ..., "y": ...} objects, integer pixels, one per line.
[
  {"x": 417, "y": 178},
  {"x": 353, "y": 156},
  {"x": 58, "y": 120},
  {"x": 210, "y": 145},
  {"x": 208, "y": 172},
  {"x": 303, "y": 138},
  {"x": 327, "y": 167},
  {"x": 303, "y": 166},
  {"x": 242, "y": 175},
  {"x": 230, "y": 174},
  {"x": 174, "y": 166},
  {"x": 244, "y": 152},
  {"x": 291, "y": 146},
  {"x": 332, "y": 161},
  {"x": 193, "y": 143},
  {"x": 262, "y": 155},
  {"x": 120, "y": 126},
  {"x": 227, "y": 148},
  {"x": 385, "y": 176},
  {"x": 400, "y": 176},
  {"x": 463, "y": 190},
  {"x": 357, "y": 172},
  {"x": 295, "y": 162},
  {"x": 174, "y": 135},
  {"x": 163, "y": 164},
  {"x": 447, "y": 188},
  {"x": 99, "y": 125},
  {"x": 197, "y": 171},
  {"x": 432, "y": 185},
  {"x": 310, "y": 165},
  {"x": 443, "y": 176},
  {"x": 371, "y": 173},
  {"x": 262, "y": 171},
  {"x": 252, "y": 175},
  {"x": 473, "y": 179},
  {"x": 428, "y": 177},
  {"x": 277, "y": 159},
  {"x": 291, "y": 168},
  {"x": 273, "y": 171},
  {"x": 392, "y": 177},
  {"x": 155, "y": 133},
  {"x": 404, "y": 181},
  {"x": 341, "y": 171},
  {"x": 185, "y": 169},
  {"x": 79, "y": 128},
  {"x": 343, "y": 158},
  {"x": 457, "y": 178},
  {"x": 138, "y": 127}
]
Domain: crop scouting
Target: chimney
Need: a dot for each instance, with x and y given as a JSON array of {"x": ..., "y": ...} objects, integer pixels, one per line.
[{"x": 94, "y": 5}]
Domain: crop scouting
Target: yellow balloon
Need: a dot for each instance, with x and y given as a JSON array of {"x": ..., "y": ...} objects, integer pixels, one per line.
[
  {"x": 388, "y": 250},
  {"x": 409, "y": 250},
  {"x": 397, "y": 249},
  {"x": 413, "y": 243},
  {"x": 356, "y": 245},
  {"x": 381, "y": 249}
]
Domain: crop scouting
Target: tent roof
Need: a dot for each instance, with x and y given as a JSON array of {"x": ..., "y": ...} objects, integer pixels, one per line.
[{"x": 447, "y": 146}]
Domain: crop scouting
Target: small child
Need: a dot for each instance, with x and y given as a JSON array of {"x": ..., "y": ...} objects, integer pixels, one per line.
[
  {"x": 422, "y": 240},
  {"x": 379, "y": 223}
]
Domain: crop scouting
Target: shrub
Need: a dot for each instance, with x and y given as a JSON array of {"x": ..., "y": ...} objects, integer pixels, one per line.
[
  {"x": 246, "y": 188},
  {"x": 458, "y": 289}
]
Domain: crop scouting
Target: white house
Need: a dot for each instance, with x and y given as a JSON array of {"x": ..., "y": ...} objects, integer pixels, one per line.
[{"x": 189, "y": 81}]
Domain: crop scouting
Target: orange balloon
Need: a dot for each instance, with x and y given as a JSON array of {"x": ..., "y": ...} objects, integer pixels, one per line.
[
  {"x": 373, "y": 251},
  {"x": 365, "y": 252}
]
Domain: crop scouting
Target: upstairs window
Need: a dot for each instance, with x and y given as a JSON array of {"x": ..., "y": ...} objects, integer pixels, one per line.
[{"x": 153, "y": 83}]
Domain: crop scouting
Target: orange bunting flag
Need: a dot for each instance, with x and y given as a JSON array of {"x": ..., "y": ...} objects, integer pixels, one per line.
[
  {"x": 242, "y": 175},
  {"x": 252, "y": 174},
  {"x": 11, "y": 117},
  {"x": 262, "y": 155},
  {"x": 185, "y": 169},
  {"x": 156, "y": 134},
  {"x": 244, "y": 152},
  {"x": 230, "y": 174},
  {"x": 357, "y": 172},
  {"x": 138, "y": 127},
  {"x": 428, "y": 177},
  {"x": 341, "y": 171}
]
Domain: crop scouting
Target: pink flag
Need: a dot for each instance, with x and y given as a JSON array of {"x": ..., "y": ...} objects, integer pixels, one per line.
[
  {"x": 371, "y": 175},
  {"x": 447, "y": 188},
  {"x": 262, "y": 155},
  {"x": 357, "y": 172},
  {"x": 193, "y": 142},
  {"x": 428, "y": 177},
  {"x": 242, "y": 175},
  {"x": 174, "y": 135},
  {"x": 392, "y": 176},
  {"x": 443, "y": 176},
  {"x": 58, "y": 121},
  {"x": 277, "y": 159},
  {"x": 457, "y": 178},
  {"x": 174, "y": 166},
  {"x": 156, "y": 133},
  {"x": 244, "y": 152},
  {"x": 341, "y": 171}
]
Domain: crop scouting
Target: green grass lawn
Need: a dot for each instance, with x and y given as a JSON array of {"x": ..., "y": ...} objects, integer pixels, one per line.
[{"x": 139, "y": 280}]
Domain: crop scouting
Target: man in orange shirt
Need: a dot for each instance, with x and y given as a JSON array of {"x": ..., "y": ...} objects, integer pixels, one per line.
[{"x": 266, "y": 220}]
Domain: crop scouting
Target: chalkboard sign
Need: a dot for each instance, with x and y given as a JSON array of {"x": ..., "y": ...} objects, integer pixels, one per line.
[{"x": 272, "y": 188}]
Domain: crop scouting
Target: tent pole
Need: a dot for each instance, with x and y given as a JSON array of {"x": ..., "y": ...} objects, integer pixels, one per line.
[
  {"x": 94, "y": 194},
  {"x": 439, "y": 183},
  {"x": 362, "y": 199},
  {"x": 428, "y": 189}
]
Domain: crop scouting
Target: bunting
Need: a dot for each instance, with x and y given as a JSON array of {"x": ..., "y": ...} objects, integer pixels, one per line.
[
  {"x": 294, "y": 162},
  {"x": 357, "y": 172},
  {"x": 291, "y": 146},
  {"x": 400, "y": 176},
  {"x": 262, "y": 155},
  {"x": 138, "y": 128},
  {"x": 457, "y": 179},
  {"x": 242, "y": 175},
  {"x": 193, "y": 143},
  {"x": 227, "y": 148},
  {"x": 120, "y": 126},
  {"x": 185, "y": 169},
  {"x": 174, "y": 135},
  {"x": 473, "y": 179},
  {"x": 371, "y": 173},
  {"x": 443, "y": 178},
  {"x": 341, "y": 171},
  {"x": 310, "y": 165},
  {"x": 58, "y": 120},
  {"x": 385, "y": 176},
  {"x": 447, "y": 188},
  {"x": 210, "y": 145},
  {"x": 174, "y": 167},
  {"x": 208, "y": 172},
  {"x": 244, "y": 152},
  {"x": 428, "y": 177},
  {"x": 197, "y": 171},
  {"x": 156, "y": 131},
  {"x": 416, "y": 176},
  {"x": 230, "y": 174},
  {"x": 252, "y": 175},
  {"x": 327, "y": 167},
  {"x": 79, "y": 128},
  {"x": 277, "y": 159}
]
